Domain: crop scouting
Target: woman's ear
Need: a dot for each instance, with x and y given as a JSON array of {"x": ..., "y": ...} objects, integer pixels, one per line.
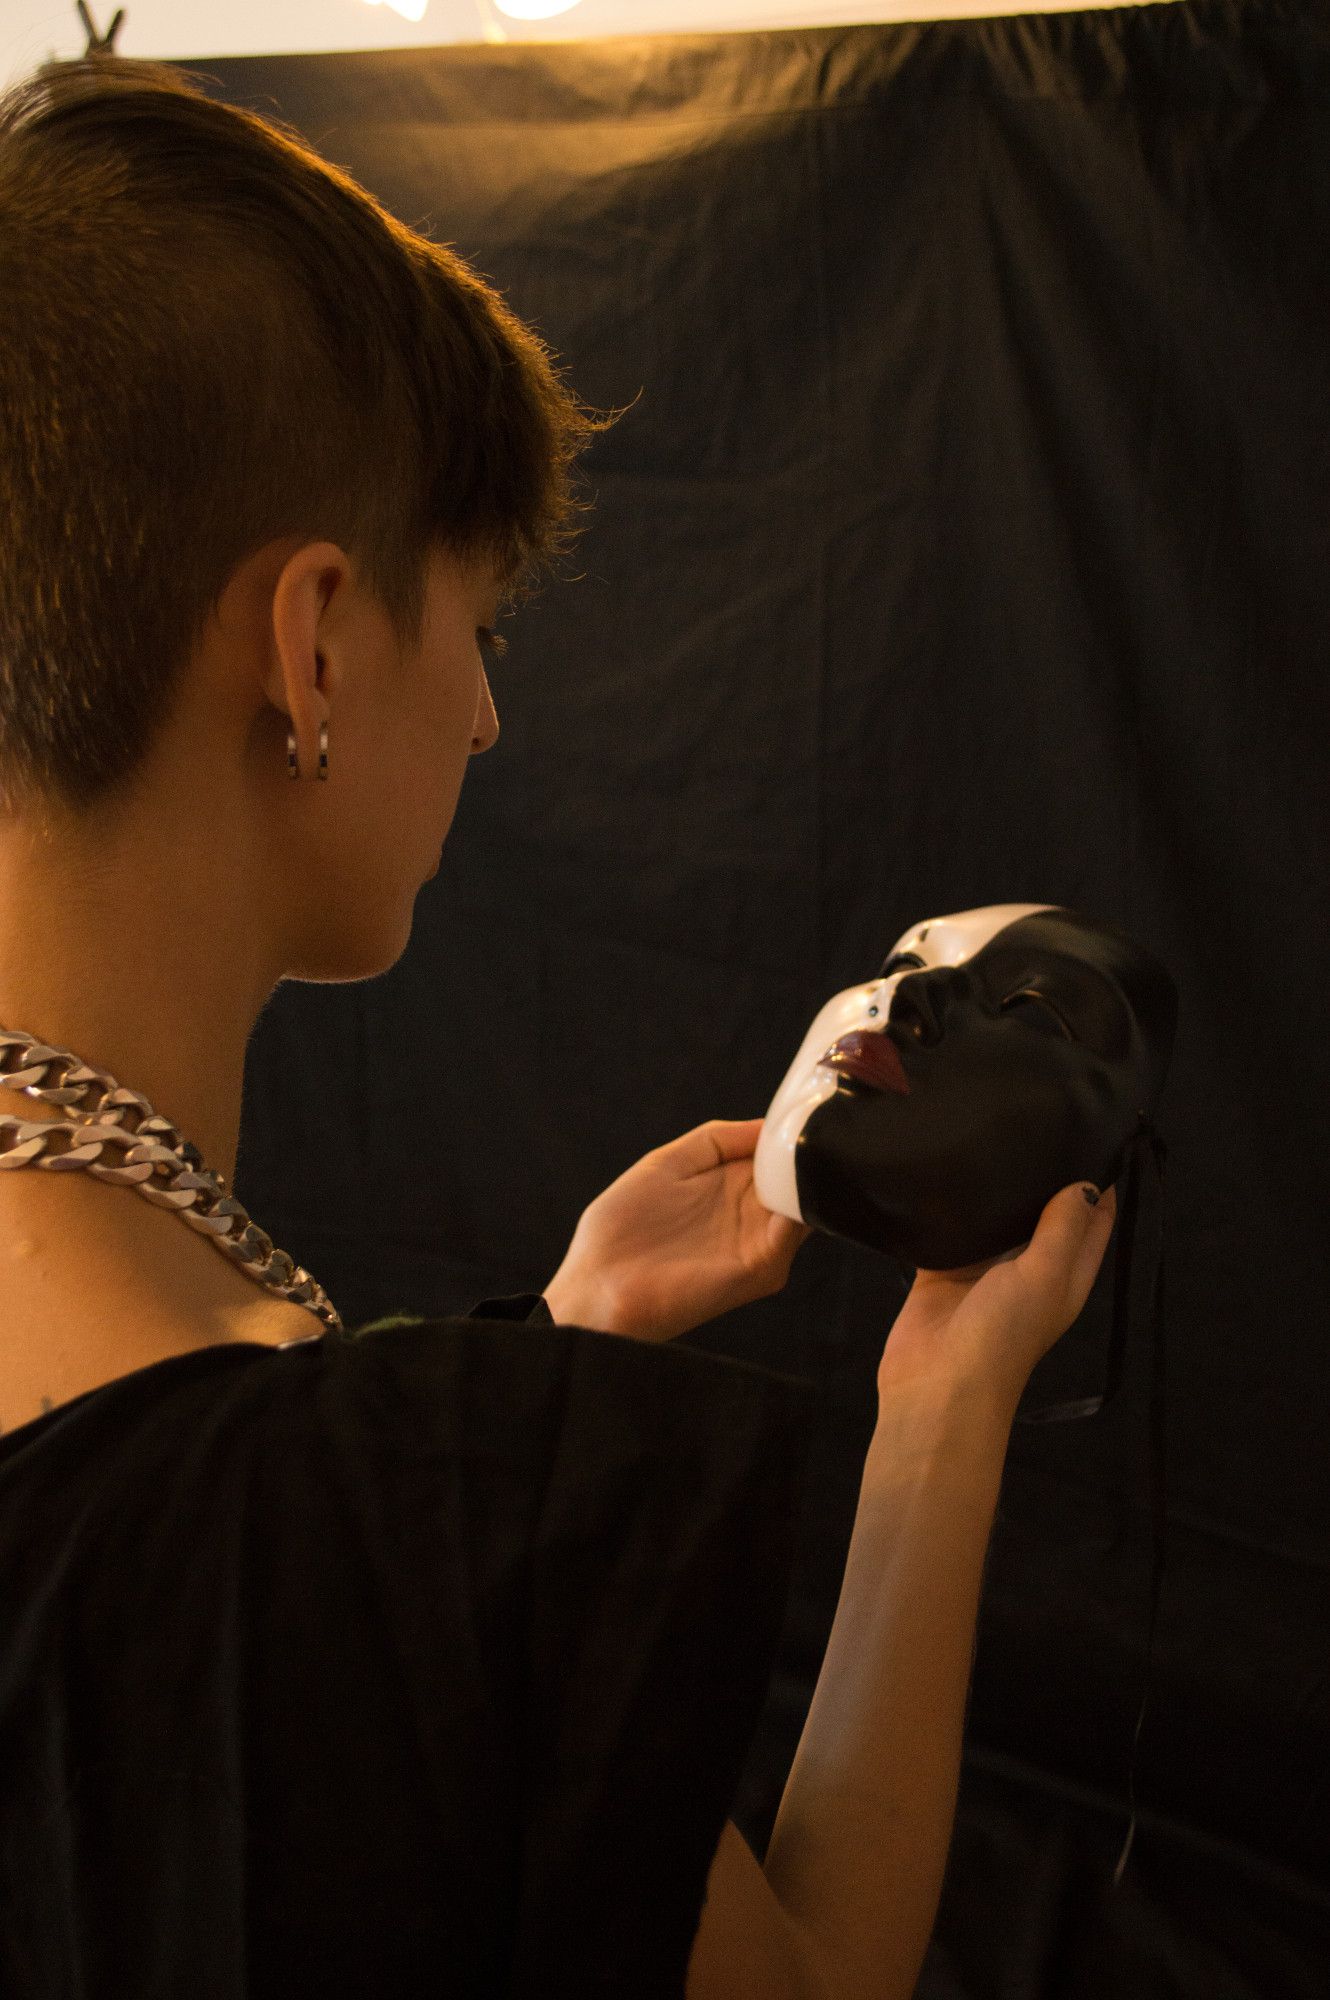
[{"x": 306, "y": 608}]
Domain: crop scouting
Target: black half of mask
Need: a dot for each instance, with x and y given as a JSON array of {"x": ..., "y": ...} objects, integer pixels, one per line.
[{"x": 1033, "y": 1064}]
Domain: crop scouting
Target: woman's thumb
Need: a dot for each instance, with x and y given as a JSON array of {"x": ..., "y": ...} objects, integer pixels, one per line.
[{"x": 1101, "y": 1203}]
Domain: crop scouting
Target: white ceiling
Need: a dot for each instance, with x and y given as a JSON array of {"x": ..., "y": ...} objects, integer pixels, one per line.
[{"x": 31, "y": 31}]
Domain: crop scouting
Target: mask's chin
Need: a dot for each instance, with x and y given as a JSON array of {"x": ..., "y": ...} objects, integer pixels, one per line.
[
  {"x": 931, "y": 1229},
  {"x": 948, "y": 1177}
]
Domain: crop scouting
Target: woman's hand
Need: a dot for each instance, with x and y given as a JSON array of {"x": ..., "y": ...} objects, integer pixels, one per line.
[
  {"x": 677, "y": 1240},
  {"x": 990, "y": 1323}
]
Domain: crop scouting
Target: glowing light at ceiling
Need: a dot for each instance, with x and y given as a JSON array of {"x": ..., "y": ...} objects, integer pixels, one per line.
[
  {"x": 410, "y": 10},
  {"x": 533, "y": 10}
]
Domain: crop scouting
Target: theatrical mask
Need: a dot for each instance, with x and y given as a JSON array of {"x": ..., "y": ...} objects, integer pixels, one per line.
[{"x": 999, "y": 1055}]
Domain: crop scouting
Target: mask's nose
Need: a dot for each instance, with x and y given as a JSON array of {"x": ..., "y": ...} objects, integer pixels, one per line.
[{"x": 922, "y": 1004}]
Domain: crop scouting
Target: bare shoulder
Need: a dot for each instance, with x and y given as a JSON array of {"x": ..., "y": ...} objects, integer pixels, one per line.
[{"x": 65, "y": 1335}]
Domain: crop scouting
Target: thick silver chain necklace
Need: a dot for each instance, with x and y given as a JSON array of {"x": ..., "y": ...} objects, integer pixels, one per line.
[
  {"x": 105, "y": 1120},
  {"x": 154, "y": 1158}
]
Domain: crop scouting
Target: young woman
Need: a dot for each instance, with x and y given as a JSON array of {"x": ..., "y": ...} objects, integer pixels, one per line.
[{"x": 423, "y": 1661}]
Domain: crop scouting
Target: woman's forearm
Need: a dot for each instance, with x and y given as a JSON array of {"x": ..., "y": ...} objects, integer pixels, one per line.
[{"x": 859, "y": 1848}]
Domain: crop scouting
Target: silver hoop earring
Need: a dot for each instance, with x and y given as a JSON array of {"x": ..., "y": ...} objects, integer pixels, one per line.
[{"x": 291, "y": 764}]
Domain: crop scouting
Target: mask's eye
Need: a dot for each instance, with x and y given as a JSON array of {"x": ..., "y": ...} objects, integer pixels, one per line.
[
  {"x": 491, "y": 642},
  {"x": 1044, "y": 1014},
  {"x": 898, "y": 962}
]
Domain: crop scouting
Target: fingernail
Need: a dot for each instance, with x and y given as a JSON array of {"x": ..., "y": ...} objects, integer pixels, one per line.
[{"x": 1091, "y": 1195}]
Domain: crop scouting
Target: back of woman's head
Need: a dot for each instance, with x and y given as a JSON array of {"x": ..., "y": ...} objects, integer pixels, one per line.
[{"x": 211, "y": 338}]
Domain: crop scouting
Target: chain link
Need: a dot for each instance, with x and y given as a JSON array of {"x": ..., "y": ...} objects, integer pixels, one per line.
[{"x": 156, "y": 1160}]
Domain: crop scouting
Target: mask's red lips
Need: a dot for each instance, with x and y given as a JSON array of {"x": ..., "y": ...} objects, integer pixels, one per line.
[{"x": 870, "y": 1056}]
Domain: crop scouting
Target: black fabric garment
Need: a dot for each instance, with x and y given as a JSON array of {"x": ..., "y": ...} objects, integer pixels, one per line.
[{"x": 419, "y": 1660}]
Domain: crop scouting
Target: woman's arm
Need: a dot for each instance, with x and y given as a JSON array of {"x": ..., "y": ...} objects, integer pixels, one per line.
[{"x": 859, "y": 1848}]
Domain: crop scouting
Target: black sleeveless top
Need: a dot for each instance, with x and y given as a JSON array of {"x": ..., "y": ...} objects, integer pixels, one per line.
[{"x": 423, "y": 1659}]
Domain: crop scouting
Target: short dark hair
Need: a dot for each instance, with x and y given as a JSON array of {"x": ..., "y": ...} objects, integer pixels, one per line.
[{"x": 210, "y": 339}]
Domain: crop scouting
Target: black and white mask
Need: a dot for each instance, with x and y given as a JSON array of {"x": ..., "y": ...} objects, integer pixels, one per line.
[{"x": 999, "y": 1055}]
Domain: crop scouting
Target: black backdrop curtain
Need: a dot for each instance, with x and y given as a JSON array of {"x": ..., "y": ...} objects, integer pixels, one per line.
[{"x": 967, "y": 541}]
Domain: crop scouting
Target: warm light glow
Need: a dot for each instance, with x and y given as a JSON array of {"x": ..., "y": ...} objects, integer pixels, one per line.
[
  {"x": 31, "y": 31},
  {"x": 410, "y": 10},
  {"x": 533, "y": 10}
]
